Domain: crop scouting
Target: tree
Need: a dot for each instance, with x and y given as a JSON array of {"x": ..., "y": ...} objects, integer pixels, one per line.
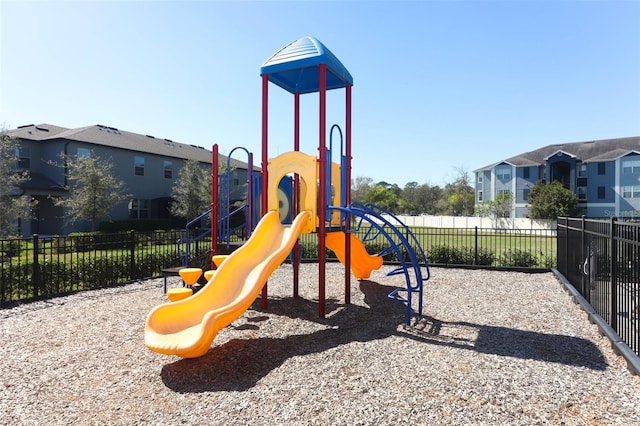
[
  {"x": 420, "y": 198},
  {"x": 93, "y": 189},
  {"x": 13, "y": 205},
  {"x": 499, "y": 208},
  {"x": 459, "y": 196},
  {"x": 360, "y": 188},
  {"x": 548, "y": 201},
  {"x": 191, "y": 192},
  {"x": 383, "y": 197}
]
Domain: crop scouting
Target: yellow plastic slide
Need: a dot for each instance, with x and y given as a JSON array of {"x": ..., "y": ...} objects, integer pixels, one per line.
[
  {"x": 362, "y": 263},
  {"x": 187, "y": 327}
]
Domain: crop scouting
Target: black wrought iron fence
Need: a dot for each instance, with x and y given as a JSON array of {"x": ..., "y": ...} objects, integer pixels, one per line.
[
  {"x": 46, "y": 266},
  {"x": 601, "y": 259},
  {"x": 531, "y": 248}
]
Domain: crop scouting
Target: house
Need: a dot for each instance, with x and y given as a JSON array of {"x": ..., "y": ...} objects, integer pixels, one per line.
[
  {"x": 604, "y": 175},
  {"x": 148, "y": 166}
]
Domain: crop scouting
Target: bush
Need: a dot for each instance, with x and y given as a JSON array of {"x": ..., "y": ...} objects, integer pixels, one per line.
[
  {"x": 519, "y": 258},
  {"x": 11, "y": 247},
  {"x": 449, "y": 255}
]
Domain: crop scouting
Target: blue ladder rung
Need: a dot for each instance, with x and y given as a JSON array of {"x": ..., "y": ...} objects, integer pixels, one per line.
[
  {"x": 395, "y": 296},
  {"x": 396, "y": 271}
]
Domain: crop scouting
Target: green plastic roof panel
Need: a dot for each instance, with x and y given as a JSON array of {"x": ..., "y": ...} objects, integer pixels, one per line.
[{"x": 296, "y": 67}]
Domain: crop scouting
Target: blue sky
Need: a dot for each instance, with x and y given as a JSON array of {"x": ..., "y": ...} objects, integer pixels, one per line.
[{"x": 438, "y": 86}]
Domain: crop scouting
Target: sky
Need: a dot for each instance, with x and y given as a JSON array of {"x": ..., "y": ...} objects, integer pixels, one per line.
[{"x": 440, "y": 87}]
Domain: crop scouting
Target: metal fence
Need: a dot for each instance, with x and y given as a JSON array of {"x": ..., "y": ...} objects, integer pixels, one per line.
[
  {"x": 601, "y": 259},
  {"x": 41, "y": 267},
  {"x": 482, "y": 247}
]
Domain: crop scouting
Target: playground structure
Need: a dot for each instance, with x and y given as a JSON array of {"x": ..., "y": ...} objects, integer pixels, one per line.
[{"x": 320, "y": 203}]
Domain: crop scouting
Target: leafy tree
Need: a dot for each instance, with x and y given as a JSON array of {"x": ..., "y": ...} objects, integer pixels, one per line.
[
  {"x": 383, "y": 197},
  {"x": 191, "y": 192},
  {"x": 420, "y": 198},
  {"x": 459, "y": 196},
  {"x": 12, "y": 204},
  {"x": 93, "y": 189},
  {"x": 360, "y": 188},
  {"x": 548, "y": 201},
  {"x": 500, "y": 207}
]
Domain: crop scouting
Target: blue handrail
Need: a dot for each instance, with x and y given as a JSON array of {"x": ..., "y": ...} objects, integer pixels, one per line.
[{"x": 380, "y": 226}]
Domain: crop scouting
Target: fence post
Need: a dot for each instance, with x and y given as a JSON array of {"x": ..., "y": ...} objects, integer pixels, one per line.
[
  {"x": 584, "y": 287},
  {"x": 614, "y": 276},
  {"x": 132, "y": 254},
  {"x": 36, "y": 265},
  {"x": 475, "y": 255}
]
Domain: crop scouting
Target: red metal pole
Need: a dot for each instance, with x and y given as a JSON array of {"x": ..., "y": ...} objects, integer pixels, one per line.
[
  {"x": 296, "y": 192},
  {"x": 265, "y": 162},
  {"x": 265, "y": 143},
  {"x": 214, "y": 203},
  {"x": 322, "y": 198},
  {"x": 347, "y": 191}
]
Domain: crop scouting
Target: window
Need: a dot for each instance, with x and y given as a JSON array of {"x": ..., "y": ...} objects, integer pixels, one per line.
[
  {"x": 582, "y": 171},
  {"x": 525, "y": 194},
  {"x": 631, "y": 191},
  {"x": 23, "y": 158},
  {"x": 168, "y": 169},
  {"x": 601, "y": 191},
  {"x": 138, "y": 209},
  {"x": 236, "y": 181},
  {"x": 525, "y": 173},
  {"x": 630, "y": 166},
  {"x": 503, "y": 172},
  {"x": 138, "y": 164},
  {"x": 479, "y": 177},
  {"x": 479, "y": 196},
  {"x": 582, "y": 193},
  {"x": 83, "y": 153},
  {"x": 602, "y": 168}
]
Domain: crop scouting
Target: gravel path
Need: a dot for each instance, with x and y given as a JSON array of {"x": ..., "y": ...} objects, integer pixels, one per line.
[{"x": 492, "y": 348}]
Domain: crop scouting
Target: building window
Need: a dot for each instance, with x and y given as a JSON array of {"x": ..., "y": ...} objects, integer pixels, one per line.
[
  {"x": 631, "y": 191},
  {"x": 138, "y": 164},
  {"x": 479, "y": 177},
  {"x": 525, "y": 173},
  {"x": 168, "y": 169},
  {"x": 601, "y": 191},
  {"x": 83, "y": 153},
  {"x": 525, "y": 194},
  {"x": 582, "y": 193},
  {"x": 23, "y": 158},
  {"x": 236, "y": 181},
  {"x": 138, "y": 209},
  {"x": 479, "y": 196},
  {"x": 582, "y": 171},
  {"x": 503, "y": 173},
  {"x": 630, "y": 166},
  {"x": 602, "y": 168}
]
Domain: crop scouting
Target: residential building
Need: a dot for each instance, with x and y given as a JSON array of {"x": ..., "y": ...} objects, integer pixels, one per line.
[
  {"x": 148, "y": 166},
  {"x": 604, "y": 175}
]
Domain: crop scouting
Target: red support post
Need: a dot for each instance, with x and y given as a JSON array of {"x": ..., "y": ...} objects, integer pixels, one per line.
[
  {"x": 214, "y": 202},
  {"x": 322, "y": 197},
  {"x": 347, "y": 191},
  {"x": 296, "y": 192},
  {"x": 265, "y": 162}
]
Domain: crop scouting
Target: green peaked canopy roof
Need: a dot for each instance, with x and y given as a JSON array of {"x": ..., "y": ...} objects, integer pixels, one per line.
[{"x": 296, "y": 67}]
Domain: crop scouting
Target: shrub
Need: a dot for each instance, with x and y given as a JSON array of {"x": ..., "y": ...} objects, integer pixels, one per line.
[
  {"x": 449, "y": 255},
  {"x": 519, "y": 258}
]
